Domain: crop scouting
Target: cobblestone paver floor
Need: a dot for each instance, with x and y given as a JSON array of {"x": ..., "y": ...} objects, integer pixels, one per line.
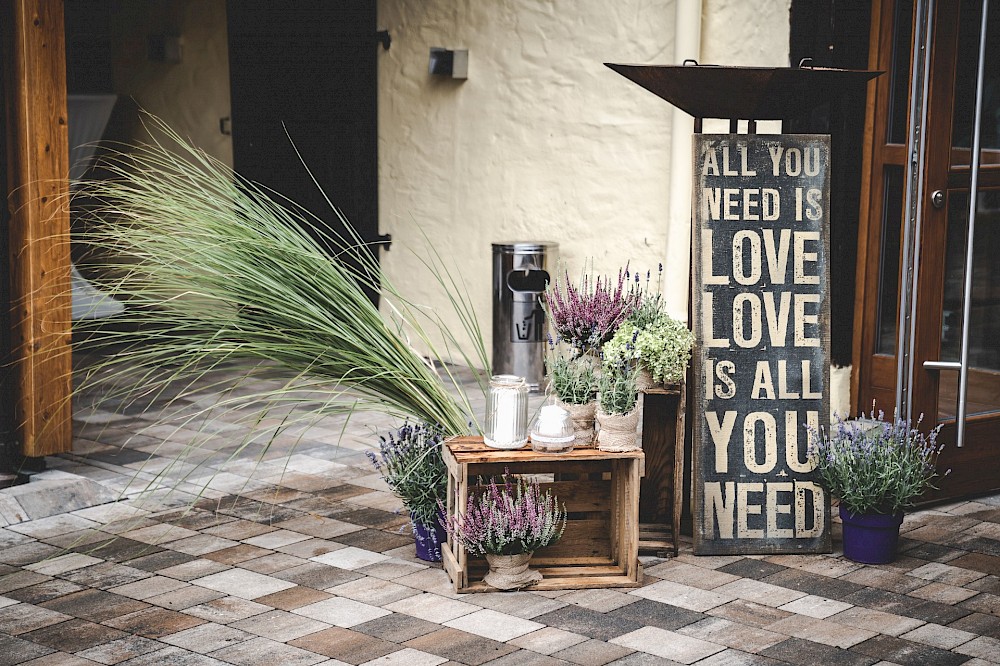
[{"x": 296, "y": 553}]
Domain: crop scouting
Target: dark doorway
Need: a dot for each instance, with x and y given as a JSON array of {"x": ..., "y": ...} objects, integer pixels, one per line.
[
  {"x": 305, "y": 72},
  {"x": 834, "y": 33}
]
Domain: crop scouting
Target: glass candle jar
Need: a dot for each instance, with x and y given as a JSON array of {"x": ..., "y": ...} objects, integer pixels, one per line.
[
  {"x": 507, "y": 412},
  {"x": 553, "y": 431}
]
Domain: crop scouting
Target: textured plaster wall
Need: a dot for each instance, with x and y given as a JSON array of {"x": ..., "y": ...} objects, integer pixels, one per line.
[
  {"x": 192, "y": 95},
  {"x": 542, "y": 142},
  {"x": 737, "y": 32}
]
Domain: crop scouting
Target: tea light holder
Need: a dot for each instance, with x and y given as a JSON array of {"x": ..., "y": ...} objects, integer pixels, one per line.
[
  {"x": 507, "y": 412},
  {"x": 553, "y": 431}
]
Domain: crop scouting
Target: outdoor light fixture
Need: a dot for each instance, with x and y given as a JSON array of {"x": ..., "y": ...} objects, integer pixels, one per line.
[{"x": 451, "y": 63}]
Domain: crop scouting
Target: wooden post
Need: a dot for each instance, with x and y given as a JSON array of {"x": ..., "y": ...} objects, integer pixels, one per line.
[{"x": 38, "y": 238}]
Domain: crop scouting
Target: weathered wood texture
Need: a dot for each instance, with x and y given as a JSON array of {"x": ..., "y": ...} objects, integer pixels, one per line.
[
  {"x": 600, "y": 545},
  {"x": 762, "y": 323},
  {"x": 38, "y": 238},
  {"x": 661, "y": 498}
]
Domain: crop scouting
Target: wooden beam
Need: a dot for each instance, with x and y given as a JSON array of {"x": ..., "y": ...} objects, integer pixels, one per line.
[{"x": 38, "y": 238}]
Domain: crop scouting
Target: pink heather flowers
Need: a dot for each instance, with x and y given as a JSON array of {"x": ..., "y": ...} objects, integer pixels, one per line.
[
  {"x": 588, "y": 314},
  {"x": 509, "y": 518}
]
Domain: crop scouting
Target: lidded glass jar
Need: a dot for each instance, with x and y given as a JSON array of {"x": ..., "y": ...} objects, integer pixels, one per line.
[
  {"x": 507, "y": 412},
  {"x": 553, "y": 431}
]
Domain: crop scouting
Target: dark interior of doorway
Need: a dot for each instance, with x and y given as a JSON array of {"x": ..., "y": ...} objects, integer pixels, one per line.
[
  {"x": 304, "y": 73},
  {"x": 835, "y": 33}
]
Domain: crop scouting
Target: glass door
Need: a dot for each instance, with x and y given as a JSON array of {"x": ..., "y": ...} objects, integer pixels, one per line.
[{"x": 952, "y": 295}]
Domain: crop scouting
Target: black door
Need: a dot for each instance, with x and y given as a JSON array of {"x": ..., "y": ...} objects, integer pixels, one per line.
[{"x": 305, "y": 72}]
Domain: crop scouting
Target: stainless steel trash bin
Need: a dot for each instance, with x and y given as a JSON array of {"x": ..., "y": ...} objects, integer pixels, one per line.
[{"x": 520, "y": 274}]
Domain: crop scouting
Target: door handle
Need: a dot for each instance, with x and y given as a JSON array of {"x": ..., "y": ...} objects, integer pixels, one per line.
[
  {"x": 942, "y": 365},
  {"x": 937, "y": 199}
]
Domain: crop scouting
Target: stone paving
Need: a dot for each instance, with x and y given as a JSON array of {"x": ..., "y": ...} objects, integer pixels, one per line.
[{"x": 294, "y": 552}]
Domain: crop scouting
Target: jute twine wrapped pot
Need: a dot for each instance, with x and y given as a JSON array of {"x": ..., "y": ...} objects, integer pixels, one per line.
[
  {"x": 583, "y": 422},
  {"x": 510, "y": 572},
  {"x": 618, "y": 431}
]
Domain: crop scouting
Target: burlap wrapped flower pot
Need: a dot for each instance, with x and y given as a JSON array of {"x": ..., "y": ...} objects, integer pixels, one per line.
[
  {"x": 583, "y": 422},
  {"x": 618, "y": 431},
  {"x": 510, "y": 572},
  {"x": 644, "y": 380}
]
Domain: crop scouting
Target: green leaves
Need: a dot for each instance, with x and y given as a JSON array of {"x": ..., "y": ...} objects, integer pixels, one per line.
[{"x": 214, "y": 270}]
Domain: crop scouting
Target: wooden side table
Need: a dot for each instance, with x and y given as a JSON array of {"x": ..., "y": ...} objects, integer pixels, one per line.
[{"x": 600, "y": 547}]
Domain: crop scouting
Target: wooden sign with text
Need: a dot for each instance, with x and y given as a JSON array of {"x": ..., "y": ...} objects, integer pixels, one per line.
[{"x": 761, "y": 314}]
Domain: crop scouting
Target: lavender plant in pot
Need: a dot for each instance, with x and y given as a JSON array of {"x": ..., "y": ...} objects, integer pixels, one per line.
[
  {"x": 409, "y": 460},
  {"x": 617, "y": 410},
  {"x": 506, "y": 523},
  {"x": 876, "y": 468},
  {"x": 573, "y": 381}
]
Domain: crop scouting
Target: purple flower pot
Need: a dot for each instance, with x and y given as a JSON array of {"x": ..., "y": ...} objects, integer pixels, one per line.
[
  {"x": 429, "y": 539},
  {"x": 870, "y": 538}
]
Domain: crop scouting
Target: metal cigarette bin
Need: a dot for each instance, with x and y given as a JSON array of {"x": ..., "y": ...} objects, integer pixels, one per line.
[{"x": 520, "y": 275}]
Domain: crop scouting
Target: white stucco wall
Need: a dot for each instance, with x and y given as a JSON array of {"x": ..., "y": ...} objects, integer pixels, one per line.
[
  {"x": 737, "y": 32},
  {"x": 192, "y": 95},
  {"x": 542, "y": 142}
]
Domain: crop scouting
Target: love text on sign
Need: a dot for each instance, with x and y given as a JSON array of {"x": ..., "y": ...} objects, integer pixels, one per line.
[{"x": 761, "y": 315}]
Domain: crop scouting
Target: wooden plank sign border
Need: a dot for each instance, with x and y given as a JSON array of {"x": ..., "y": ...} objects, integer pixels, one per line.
[{"x": 761, "y": 315}]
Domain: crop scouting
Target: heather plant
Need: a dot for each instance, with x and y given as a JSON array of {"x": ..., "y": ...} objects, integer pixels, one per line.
[
  {"x": 587, "y": 314},
  {"x": 875, "y": 466},
  {"x": 409, "y": 460},
  {"x": 509, "y": 518},
  {"x": 617, "y": 390},
  {"x": 571, "y": 376}
]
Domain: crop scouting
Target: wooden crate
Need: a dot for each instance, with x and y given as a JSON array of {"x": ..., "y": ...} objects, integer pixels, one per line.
[
  {"x": 600, "y": 547},
  {"x": 661, "y": 499}
]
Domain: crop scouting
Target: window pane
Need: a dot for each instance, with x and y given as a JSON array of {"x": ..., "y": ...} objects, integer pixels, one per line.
[
  {"x": 984, "y": 326},
  {"x": 964, "y": 113},
  {"x": 900, "y": 74},
  {"x": 888, "y": 289}
]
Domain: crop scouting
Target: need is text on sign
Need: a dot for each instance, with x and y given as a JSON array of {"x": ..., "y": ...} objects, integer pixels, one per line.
[{"x": 761, "y": 315}]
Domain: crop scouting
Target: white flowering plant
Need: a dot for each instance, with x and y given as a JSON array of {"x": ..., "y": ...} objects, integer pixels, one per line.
[{"x": 662, "y": 345}]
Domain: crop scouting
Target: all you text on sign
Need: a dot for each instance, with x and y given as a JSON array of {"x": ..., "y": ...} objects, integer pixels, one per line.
[{"x": 761, "y": 315}]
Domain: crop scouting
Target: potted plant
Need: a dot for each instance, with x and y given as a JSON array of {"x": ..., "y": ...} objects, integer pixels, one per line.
[
  {"x": 587, "y": 314},
  {"x": 649, "y": 336},
  {"x": 875, "y": 468},
  {"x": 506, "y": 523},
  {"x": 617, "y": 411},
  {"x": 573, "y": 381},
  {"x": 410, "y": 462}
]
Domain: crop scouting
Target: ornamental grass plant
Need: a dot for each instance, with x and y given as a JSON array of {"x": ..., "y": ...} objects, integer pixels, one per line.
[
  {"x": 511, "y": 517},
  {"x": 410, "y": 462},
  {"x": 217, "y": 272},
  {"x": 874, "y": 466}
]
